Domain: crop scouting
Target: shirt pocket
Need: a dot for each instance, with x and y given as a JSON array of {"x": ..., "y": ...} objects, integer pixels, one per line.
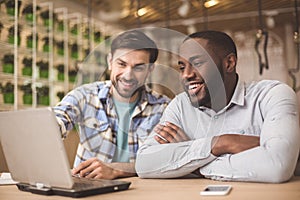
[{"x": 95, "y": 133}]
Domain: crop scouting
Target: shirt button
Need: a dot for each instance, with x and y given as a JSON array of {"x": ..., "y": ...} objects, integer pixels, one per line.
[
  {"x": 95, "y": 125},
  {"x": 216, "y": 117}
]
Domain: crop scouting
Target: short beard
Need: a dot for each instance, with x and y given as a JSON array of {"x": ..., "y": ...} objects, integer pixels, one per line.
[
  {"x": 206, "y": 101},
  {"x": 127, "y": 95}
]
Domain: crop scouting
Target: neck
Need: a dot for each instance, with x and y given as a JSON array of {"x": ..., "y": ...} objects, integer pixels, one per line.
[
  {"x": 231, "y": 85},
  {"x": 120, "y": 98}
]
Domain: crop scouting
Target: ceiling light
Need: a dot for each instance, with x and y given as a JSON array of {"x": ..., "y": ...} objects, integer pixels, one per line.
[
  {"x": 210, "y": 3},
  {"x": 141, "y": 12},
  {"x": 184, "y": 8}
]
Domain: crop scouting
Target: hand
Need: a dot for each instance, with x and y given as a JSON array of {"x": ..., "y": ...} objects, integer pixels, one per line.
[
  {"x": 169, "y": 133},
  {"x": 233, "y": 143},
  {"x": 94, "y": 168}
]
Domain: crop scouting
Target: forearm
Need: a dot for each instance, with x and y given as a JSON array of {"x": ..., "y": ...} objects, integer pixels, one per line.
[
  {"x": 273, "y": 161},
  {"x": 122, "y": 170},
  {"x": 173, "y": 160}
]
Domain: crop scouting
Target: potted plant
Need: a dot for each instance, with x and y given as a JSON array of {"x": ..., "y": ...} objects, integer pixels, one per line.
[
  {"x": 27, "y": 93},
  {"x": 29, "y": 41},
  {"x": 8, "y": 63},
  {"x": 97, "y": 36},
  {"x": 27, "y": 66},
  {"x": 44, "y": 69},
  {"x": 60, "y": 95},
  {"x": 74, "y": 29},
  {"x": 8, "y": 92},
  {"x": 46, "y": 47},
  {"x": 74, "y": 50},
  {"x": 45, "y": 16},
  {"x": 61, "y": 69},
  {"x": 60, "y": 47},
  {"x": 43, "y": 95},
  {"x": 11, "y": 35},
  {"x": 72, "y": 75},
  {"x": 10, "y": 6},
  {"x": 60, "y": 25},
  {"x": 1, "y": 27},
  {"x": 28, "y": 12}
]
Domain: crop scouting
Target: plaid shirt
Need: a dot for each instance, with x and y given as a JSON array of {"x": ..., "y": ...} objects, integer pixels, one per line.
[{"x": 91, "y": 108}]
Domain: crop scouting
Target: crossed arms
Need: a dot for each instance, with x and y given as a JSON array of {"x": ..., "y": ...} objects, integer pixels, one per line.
[{"x": 269, "y": 156}]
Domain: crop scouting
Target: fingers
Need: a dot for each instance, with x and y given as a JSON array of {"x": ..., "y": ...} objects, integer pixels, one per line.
[
  {"x": 86, "y": 167},
  {"x": 169, "y": 133}
]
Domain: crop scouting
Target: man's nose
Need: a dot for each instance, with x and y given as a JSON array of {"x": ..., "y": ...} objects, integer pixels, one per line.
[
  {"x": 188, "y": 72},
  {"x": 128, "y": 74}
]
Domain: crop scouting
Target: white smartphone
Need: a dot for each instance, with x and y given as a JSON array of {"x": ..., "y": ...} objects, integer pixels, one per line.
[{"x": 216, "y": 190}]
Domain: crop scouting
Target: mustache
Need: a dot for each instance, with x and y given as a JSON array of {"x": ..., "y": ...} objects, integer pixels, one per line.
[{"x": 130, "y": 81}]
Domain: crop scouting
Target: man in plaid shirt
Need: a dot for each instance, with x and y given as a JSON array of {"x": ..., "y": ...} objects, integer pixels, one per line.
[{"x": 114, "y": 117}]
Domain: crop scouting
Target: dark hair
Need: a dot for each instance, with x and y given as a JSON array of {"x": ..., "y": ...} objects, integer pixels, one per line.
[
  {"x": 135, "y": 40},
  {"x": 219, "y": 41}
]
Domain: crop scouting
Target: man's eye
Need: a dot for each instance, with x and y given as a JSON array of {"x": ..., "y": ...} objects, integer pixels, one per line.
[
  {"x": 197, "y": 64},
  {"x": 181, "y": 67},
  {"x": 121, "y": 64},
  {"x": 140, "y": 68}
]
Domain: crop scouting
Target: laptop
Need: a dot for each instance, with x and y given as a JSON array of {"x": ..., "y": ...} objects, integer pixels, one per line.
[{"x": 37, "y": 160}]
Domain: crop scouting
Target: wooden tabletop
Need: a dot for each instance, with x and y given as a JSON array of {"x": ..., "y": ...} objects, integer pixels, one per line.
[{"x": 181, "y": 189}]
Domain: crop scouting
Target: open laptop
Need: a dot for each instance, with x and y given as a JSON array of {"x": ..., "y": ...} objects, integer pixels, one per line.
[{"x": 36, "y": 158}]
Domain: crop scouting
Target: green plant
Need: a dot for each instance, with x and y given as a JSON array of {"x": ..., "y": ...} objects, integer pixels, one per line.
[
  {"x": 72, "y": 75},
  {"x": 8, "y": 92},
  {"x": 60, "y": 25},
  {"x": 1, "y": 26},
  {"x": 10, "y": 6},
  {"x": 29, "y": 41},
  {"x": 28, "y": 12},
  {"x": 27, "y": 69},
  {"x": 45, "y": 15},
  {"x": 8, "y": 63},
  {"x": 46, "y": 47},
  {"x": 60, "y": 95},
  {"x": 97, "y": 36},
  {"x": 7, "y": 88},
  {"x": 60, "y": 75},
  {"x": 43, "y": 95},
  {"x": 74, "y": 50},
  {"x": 74, "y": 29},
  {"x": 60, "y": 47},
  {"x": 44, "y": 69},
  {"x": 27, "y": 93},
  {"x": 11, "y": 34}
]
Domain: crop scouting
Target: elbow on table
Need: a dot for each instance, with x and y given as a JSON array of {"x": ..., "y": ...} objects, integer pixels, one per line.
[{"x": 280, "y": 174}]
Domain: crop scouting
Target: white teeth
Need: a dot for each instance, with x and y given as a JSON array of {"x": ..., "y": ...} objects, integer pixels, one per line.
[{"x": 193, "y": 86}]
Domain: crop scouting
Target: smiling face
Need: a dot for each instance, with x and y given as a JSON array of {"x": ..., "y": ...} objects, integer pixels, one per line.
[
  {"x": 129, "y": 71},
  {"x": 201, "y": 71}
]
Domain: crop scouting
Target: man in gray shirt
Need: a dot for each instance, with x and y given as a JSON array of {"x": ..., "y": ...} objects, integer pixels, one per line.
[{"x": 220, "y": 127}]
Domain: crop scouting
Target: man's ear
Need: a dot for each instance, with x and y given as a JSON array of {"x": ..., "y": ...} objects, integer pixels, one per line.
[
  {"x": 109, "y": 60},
  {"x": 230, "y": 64}
]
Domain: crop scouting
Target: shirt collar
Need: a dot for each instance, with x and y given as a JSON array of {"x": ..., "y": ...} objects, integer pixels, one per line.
[
  {"x": 238, "y": 96},
  {"x": 146, "y": 97}
]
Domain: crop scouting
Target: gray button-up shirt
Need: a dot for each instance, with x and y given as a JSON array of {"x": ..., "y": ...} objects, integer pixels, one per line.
[{"x": 267, "y": 109}]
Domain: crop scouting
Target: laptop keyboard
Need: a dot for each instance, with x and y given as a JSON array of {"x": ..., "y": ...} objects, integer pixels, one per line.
[{"x": 82, "y": 183}]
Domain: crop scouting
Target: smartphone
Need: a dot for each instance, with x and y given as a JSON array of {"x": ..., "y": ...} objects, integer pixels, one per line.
[{"x": 216, "y": 190}]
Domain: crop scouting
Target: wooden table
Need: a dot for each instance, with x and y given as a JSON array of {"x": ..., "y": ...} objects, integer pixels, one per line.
[{"x": 181, "y": 189}]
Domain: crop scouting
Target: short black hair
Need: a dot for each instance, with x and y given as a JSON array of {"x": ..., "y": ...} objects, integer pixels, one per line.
[
  {"x": 135, "y": 40},
  {"x": 217, "y": 40}
]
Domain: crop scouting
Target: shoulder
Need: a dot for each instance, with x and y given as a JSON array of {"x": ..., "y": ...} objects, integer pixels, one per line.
[
  {"x": 266, "y": 86},
  {"x": 93, "y": 88},
  {"x": 271, "y": 89},
  {"x": 156, "y": 98}
]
